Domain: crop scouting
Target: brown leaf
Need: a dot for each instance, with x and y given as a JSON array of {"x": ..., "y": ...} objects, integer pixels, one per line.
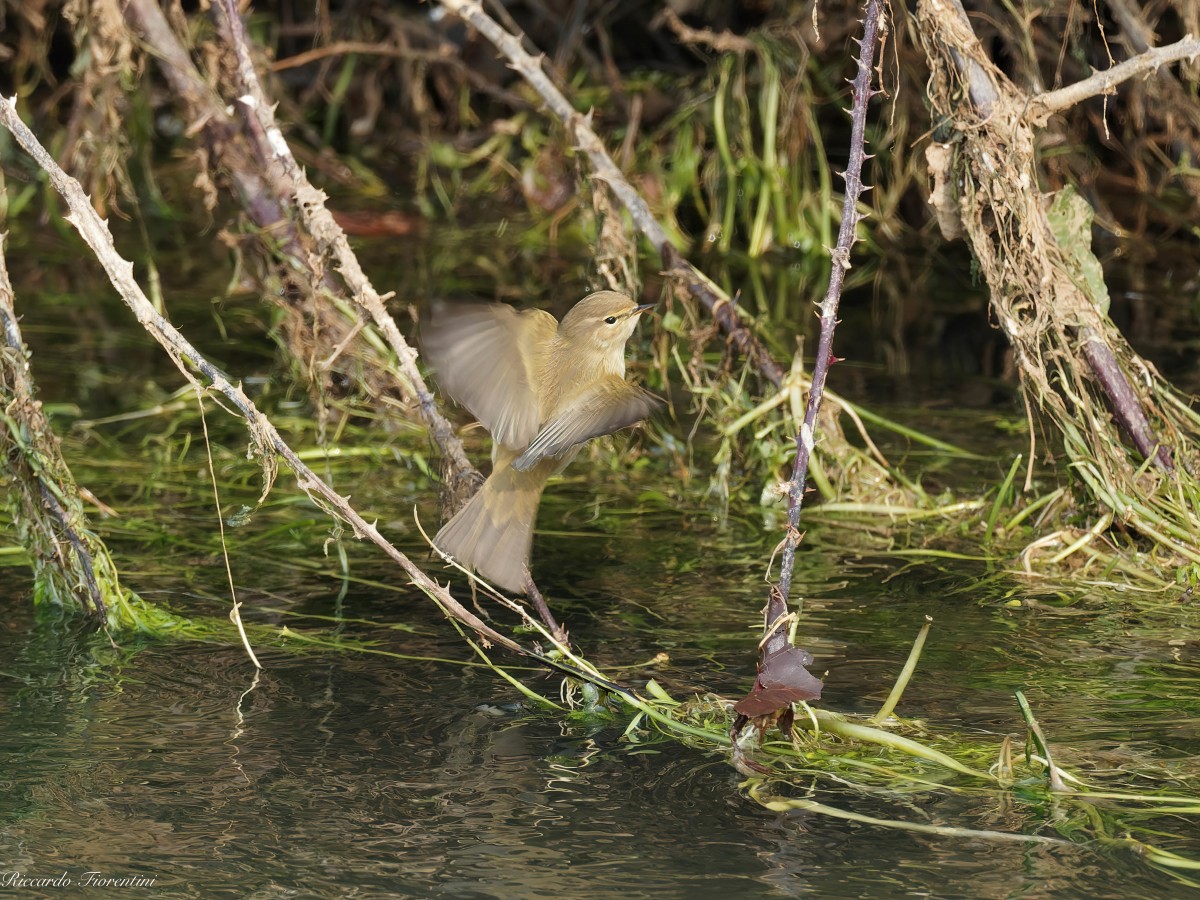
[{"x": 783, "y": 679}]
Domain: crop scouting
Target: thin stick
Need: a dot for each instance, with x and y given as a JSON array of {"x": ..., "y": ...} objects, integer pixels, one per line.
[
  {"x": 235, "y": 612},
  {"x": 539, "y": 603},
  {"x": 548, "y": 627},
  {"x": 1044, "y": 105},
  {"x": 721, "y": 42}
]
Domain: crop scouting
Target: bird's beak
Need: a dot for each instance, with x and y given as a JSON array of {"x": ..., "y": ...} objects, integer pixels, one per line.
[{"x": 637, "y": 310}]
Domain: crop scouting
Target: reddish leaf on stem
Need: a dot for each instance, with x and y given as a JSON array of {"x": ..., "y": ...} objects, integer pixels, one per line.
[{"x": 783, "y": 679}]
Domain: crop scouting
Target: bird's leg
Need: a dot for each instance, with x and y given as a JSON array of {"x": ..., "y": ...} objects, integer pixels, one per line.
[
  {"x": 483, "y": 614},
  {"x": 543, "y": 611}
]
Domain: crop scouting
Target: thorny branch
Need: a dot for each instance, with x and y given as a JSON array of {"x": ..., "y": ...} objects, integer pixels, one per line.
[
  {"x": 783, "y": 677},
  {"x": 290, "y": 180},
  {"x": 213, "y": 124},
  {"x": 847, "y": 235},
  {"x": 269, "y": 181}
]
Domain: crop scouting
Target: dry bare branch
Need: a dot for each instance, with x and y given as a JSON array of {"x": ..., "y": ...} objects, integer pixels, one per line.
[
  {"x": 1045, "y": 105},
  {"x": 720, "y": 41},
  {"x": 252, "y": 151},
  {"x": 783, "y": 677},
  {"x": 605, "y": 169},
  {"x": 290, "y": 181}
]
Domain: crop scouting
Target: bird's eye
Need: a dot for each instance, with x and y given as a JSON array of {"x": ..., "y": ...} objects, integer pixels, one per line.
[{"x": 611, "y": 320}]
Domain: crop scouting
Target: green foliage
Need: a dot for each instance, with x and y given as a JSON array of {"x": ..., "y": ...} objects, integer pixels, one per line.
[{"x": 1071, "y": 221}]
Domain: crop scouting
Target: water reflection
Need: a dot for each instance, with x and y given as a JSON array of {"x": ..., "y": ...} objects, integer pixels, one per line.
[{"x": 365, "y": 777}]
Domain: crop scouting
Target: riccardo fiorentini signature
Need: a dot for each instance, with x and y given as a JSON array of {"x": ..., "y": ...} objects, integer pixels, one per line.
[{"x": 90, "y": 878}]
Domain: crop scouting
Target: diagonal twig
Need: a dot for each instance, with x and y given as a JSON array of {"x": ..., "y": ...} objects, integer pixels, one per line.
[
  {"x": 251, "y": 150},
  {"x": 1042, "y": 106},
  {"x": 579, "y": 128},
  {"x": 291, "y": 180}
]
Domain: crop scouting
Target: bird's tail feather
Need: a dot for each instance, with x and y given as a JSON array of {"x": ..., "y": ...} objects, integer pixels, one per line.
[{"x": 493, "y": 533}]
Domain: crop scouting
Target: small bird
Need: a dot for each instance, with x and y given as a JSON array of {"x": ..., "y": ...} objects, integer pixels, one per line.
[{"x": 542, "y": 389}]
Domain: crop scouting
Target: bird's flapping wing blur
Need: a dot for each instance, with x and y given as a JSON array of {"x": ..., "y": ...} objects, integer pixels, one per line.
[
  {"x": 484, "y": 358},
  {"x": 609, "y": 406}
]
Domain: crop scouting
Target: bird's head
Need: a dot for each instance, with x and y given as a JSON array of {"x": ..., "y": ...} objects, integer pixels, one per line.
[{"x": 601, "y": 321}]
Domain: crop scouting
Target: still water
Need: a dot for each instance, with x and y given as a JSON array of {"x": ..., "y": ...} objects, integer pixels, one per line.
[{"x": 359, "y": 775}]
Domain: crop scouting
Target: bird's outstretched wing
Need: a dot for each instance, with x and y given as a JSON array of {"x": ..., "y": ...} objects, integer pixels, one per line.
[
  {"x": 610, "y": 405},
  {"x": 483, "y": 354}
]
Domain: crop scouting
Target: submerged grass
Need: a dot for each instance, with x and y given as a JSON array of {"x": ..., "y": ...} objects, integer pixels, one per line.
[{"x": 833, "y": 755}]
